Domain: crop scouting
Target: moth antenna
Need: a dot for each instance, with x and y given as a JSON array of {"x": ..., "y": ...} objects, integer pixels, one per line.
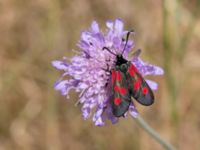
[
  {"x": 127, "y": 36},
  {"x": 105, "y": 48}
]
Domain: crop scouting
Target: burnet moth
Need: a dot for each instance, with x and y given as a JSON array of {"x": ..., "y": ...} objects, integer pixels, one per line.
[{"x": 127, "y": 82}]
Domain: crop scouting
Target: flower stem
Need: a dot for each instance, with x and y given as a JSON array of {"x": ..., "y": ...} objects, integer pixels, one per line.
[{"x": 142, "y": 123}]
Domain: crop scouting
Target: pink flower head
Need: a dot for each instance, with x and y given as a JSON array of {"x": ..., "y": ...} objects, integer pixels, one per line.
[{"x": 87, "y": 70}]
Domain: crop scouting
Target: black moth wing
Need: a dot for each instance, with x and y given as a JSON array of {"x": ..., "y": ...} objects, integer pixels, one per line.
[
  {"x": 121, "y": 97},
  {"x": 138, "y": 87}
]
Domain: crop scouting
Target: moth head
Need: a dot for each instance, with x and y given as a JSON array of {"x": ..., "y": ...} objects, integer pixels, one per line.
[{"x": 120, "y": 60}]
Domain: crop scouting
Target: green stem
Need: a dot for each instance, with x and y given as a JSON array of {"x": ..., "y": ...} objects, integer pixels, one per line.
[
  {"x": 142, "y": 123},
  {"x": 168, "y": 46}
]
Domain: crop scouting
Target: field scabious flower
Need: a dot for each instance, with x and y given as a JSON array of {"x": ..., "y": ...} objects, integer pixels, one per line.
[{"x": 88, "y": 75}]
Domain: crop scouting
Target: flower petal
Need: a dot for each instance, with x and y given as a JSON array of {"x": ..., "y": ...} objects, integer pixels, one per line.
[
  {"x": 61, "y": 86},
  {"x": 153, "y": 85},
  {"x": 83, "y": 45},
  {"x": 119, "y": 25},
  {"x": 65, "y": 85},
  {"x": 110, "y": 115},
  {"x": 109, "y": 24},
  {"x": 60, "y": 65},
  {"x": 86, "y": 36},
  {"x": 86, "y": 112},
  {"x": 132, "y": 110},
  {"x": 97, "y": 118},
  {"x": 88, "y": 105},
  {"x": 95, "y": 27},
  {"x": 147, "y": 69},
  {"x": 99, "y": 122}
]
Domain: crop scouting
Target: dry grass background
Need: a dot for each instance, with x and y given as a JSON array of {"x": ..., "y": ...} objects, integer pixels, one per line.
[{"x": 33, "y": 33}]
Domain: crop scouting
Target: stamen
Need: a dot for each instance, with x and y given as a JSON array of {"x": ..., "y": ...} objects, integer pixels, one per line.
[{"x": 87, "y": 54}]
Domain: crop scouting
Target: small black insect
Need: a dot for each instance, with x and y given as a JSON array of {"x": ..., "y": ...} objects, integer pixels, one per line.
[{"x": 127, "y": 82}]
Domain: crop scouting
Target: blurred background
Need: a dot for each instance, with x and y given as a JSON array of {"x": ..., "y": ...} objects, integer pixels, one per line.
[{"x": 33, "y": 33}]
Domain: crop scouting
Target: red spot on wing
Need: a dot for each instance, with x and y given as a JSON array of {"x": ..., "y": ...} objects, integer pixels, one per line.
[
  {"x": 131, "y": 70},
  {"x": 117, "y": 101},
  {"x": 145, "y": 90},
  {"x": 116, "y": 88},
  {"x": 139, "y": 80},
  {"x": 136, "y": 85},
  {"x": 122, "y": 91},
  {"x": 118, "y": 75},
  {"x": 113, "y": 76}
]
